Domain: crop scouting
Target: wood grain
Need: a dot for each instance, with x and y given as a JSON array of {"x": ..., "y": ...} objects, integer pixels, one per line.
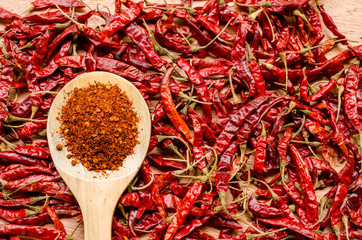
[{"x": 346, "y": 14}]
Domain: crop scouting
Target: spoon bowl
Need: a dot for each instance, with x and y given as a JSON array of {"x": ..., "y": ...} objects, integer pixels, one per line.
[{"x": 97, "y": 193}]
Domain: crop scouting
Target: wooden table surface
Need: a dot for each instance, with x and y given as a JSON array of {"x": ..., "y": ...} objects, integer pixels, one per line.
[{"x": 346, "y": 14}]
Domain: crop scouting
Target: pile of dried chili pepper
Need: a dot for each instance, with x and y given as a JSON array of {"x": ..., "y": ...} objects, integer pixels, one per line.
[
  {"x": 256, "y": 130},
  {"x": 99, "y": 126}
]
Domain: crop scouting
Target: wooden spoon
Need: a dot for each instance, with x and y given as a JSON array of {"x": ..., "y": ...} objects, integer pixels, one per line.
[{"x": 97, "y": 194}]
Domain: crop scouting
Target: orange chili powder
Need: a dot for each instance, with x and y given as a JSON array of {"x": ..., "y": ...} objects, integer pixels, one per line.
[{"x": 99, "y": 126}]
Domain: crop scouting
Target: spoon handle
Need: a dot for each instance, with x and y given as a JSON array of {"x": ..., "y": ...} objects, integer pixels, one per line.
[{"x": 97, "y": 200}]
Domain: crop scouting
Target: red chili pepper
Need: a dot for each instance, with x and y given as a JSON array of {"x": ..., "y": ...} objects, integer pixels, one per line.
[
  {"x": 30, "y": 128},
  {"x": 15, "y": 184},
  {"x": 159, "y": 231},
  {"x": 56, "y": 17},
  {"x": 166, "y": 163},
  {"x": 18, "y": 213},
  {"x": 66, "y": 4},
  {"x": 200, "y": 86},
  {"x": 183, "y": 210},
  {"x": 120, "y": 68},
  {"x": 188, "y": 228},
  {"x": 31, "y": 231},
  {"x": 329, "y": 23},
  {"x": 169, "y": 106},
  {"x": 260, "y": 154},
  {"x": 198, "y": 148},
  {"x": 21, "y": 171},
  {"x": 51, "y": 188},
  {"x": 122, "y": 19},
  {"x": 316, "y": 27},
  {"x": 316, "y": 129},
  {"x": 263, "y": 210},
  {"x": 282, "y": 149},
  {"x": 57, "y": 223},
  {"x": 8, "y": 156},
  {"x": 6, "y": 80},
  {"x": 58, "y": 39},
  {"x": 52, "y": 66},
  {"x": 120, "y": 228},
  {"x": 206, "y": 23},
  {"x": 216, "y": 48},
  {"x": 239, "y": 57},
  {"x": 146, "y": 173},
  {"x": 341, "y": 193},
  {"x": 350, "y": 97},
  {"x": 297, "y": 199},
  {"x": 316, "y": 116},
  {"x": 308, "y": 192},
  {"x": 258, "y": 77},
  {"x": 207, "y": 131},
  {"x": 236, "y": 120},
  {"x": 32, "y": 151},
  {"x": 143, "y": 41},
  {"x": 7, "y": 15},
  {"x": 289, "y": 220},
  {"x": 220, "y": 110}
]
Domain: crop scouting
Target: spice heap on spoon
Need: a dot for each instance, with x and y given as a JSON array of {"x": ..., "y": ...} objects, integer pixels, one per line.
[{"x": 98, "y": 133}]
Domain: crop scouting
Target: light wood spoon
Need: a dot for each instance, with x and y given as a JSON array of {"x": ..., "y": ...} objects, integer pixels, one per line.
[{"x": 97, "y": 194}]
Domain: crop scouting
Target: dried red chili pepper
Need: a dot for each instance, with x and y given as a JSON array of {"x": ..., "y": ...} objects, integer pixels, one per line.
[
  {"x": 7, "y": 15},
  {"x": 169, "y": 106},
  {"x": 260, "y": 154},
  {"x": 122, "y": 19},
  {"x": 31, "y": 231},
  {"x": 200, "y": 86},
  {"x": 306, "y": 184},
  {"x": 66, "y": 4},
  {"x": 350, "y": 97},
  {"x": 236, "y": 120},
  {"x": 263, "y": 210},
  {"x": 21, "y": 171},
  {"x": 184, "y": 210},
  {"x": 341, "y": 193},
  {"x": 143, "y": 41},
  {"x": 32, "y": 151},
  {"x": 8, "y": 156}
]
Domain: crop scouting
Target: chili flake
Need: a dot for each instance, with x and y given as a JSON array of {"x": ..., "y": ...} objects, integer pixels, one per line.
[{"x": 99, "y": 126}]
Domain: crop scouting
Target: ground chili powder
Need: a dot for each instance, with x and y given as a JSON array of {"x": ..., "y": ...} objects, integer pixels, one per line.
[{"x": 99, "y": 126}]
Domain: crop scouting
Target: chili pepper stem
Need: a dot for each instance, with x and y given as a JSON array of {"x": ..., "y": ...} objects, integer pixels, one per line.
[
  {"x": 9, "y": 144},
  {"x": 183, "y": 95},
  {"x": 15, "y": 119},
  {"x": 198, "y": 48},
  {"x": 270, "y": 24},
  {"x": 305, "y": 50},
  {"x": 300, "y": 128},
  {"x": 340, "y": 92},
  {"x": 242, "y": 163},
  {"x": 337, "y": 231},
  {"x": 236, "y": 99},
  {"x": 283, "y": 57},
  {"x": 79, "y": 25},
  {"x": 26, "y": 46},
  {"x": 47, "y": 92},
  {"x": 158, "y": 48},
  {"x": 252, "y": 236},
  {"x": 213, "y": 168},
  {"x": 255, "y": 14},
  {"x": 145, "y": 186},
  {"x": 313, "y": 144},
  {"x": 300, "y": 14},
  {"x": 266, "y": 4},
  {"x": 345, "y": 223}
]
